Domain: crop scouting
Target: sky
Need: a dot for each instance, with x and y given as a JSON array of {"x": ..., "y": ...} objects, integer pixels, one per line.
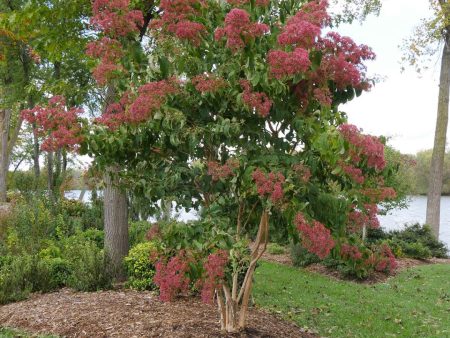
[{"x": 403, "y": 106}]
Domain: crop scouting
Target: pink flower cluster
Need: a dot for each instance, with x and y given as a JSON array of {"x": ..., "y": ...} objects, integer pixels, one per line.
[
  {"x": 208, "y": 83},
  {"x": 59, "y": 127},
  {"x": 323, "y": 96},
  {"x": 386, "y": 262},
  {"x": 239, "y": 30},
  {"x": 109, "y": 51},
  {"x": 357, "y": 219},
  {"x": 342, "y": 60},
  {"x": 176, "y": 19},
  {"x": 114, "y": 17},
  {"x": 239, "y": 3},
  {"x": 284, "y": 64},
  {"x": 270, "y": 185},
  {"x": 153, "y": 232},
  {"x": 303, "y": 29},
  {"x": 303, "y": 172},
  {"x": 316, "y": 238},
  {"x": 151, "y": 96},
  {"x": 255, "y": 101},
  {"x": 353, "y": 172},
  {"x": 350, "y": 252},
  {"x": 368, "y": 146},
  {"x": 380, "y": 194},
  {"x": 215, "y": 274},
  {"x": 218, "y": 171},
  {"x": 172, "y": 278}
]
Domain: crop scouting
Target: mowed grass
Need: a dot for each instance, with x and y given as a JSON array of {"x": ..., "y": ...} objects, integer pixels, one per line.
[
  {"x": 415, "y": 303},
  {"x": 13, "y": 333}
]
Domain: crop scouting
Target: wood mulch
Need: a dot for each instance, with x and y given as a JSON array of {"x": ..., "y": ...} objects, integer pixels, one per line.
[
  {"x": 127, "y": 313},
  {"x": 376, "y": 277}
]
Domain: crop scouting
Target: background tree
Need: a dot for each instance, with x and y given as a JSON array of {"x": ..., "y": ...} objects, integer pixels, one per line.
[{"x": 431, "y": 36}]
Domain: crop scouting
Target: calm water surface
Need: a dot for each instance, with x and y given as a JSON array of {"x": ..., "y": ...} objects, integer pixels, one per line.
[
  {"x": 396, "y": 219},
  {"x": 416, "y": 213}
]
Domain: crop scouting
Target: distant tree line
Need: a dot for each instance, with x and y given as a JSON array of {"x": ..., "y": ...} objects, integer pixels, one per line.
[{"x": 415, "y": 170}]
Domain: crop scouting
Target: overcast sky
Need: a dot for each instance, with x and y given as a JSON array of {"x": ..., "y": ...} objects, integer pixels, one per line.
[{"x": 404, "y": 105}]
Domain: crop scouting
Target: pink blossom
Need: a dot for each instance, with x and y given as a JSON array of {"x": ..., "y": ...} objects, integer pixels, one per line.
[
  {"x": 270, "y": 185},
  {"x": 316, "y": 238},
  {"x": 114, "y": 17},
  {"x": 284, "y": 64},
  {"x": 304, "y": 28},
  {"x": 256, "y": 101},
  {"x": 208, "y": 83},
  {"x": 239, "y": 29},
  {"x": 171, "y": 277},
  {"x": 59, "y": 126},
  {"x": 215, "y": 274}
]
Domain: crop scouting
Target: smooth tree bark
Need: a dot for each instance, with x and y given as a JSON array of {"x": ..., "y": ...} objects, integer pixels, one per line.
[
  {"x": 233, "y": 301},
  {"x": 440, "y": 136},
  {"x": 115, "y": 223}
]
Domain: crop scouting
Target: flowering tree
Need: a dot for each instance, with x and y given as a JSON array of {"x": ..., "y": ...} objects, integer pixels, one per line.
[
  {"x": 238, "y": 114},
  {"x": 234, "y": 110}
]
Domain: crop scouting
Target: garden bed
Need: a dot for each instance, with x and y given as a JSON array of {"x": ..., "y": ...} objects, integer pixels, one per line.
[
  {"x": 376, "y": 277},
  {"x": 131, "y": 314}
]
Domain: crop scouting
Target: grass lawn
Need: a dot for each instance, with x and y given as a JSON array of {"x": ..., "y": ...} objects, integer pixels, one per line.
[
  {"x": 415, "y": 303},
  {"x": 13, "y": 333}
]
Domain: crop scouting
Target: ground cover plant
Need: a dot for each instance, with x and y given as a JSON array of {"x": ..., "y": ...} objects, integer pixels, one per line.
[{"x": 412, "y": 304}]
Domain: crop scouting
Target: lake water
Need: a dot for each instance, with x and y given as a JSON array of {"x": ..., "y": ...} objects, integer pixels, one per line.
[
  {"x": 396, "y": 219},
  {"x": 416, "y": 213}
]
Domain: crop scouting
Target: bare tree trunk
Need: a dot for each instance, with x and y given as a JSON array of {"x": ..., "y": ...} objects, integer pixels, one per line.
[
  {"x": 116, "y": 223},
  {"x": 5, "y": 116},
  {"x": 36, "y": 154},
  {"x": 50, "y": 173},
  {"x": 440, "y": 136}
]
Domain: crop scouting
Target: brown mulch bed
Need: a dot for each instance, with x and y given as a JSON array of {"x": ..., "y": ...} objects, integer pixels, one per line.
[
  {"x": 131, "y": 314},
  {"x": 376, "y": 277}
]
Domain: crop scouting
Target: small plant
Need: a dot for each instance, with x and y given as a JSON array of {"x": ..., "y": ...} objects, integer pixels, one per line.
[
  {"x": 140, "y": 267},
  {"x": 302, "y": 257},
  {"x": 88, "y": 269},
  {"x": 276, "y": 249},
  {"x": 137, "y": 232}
]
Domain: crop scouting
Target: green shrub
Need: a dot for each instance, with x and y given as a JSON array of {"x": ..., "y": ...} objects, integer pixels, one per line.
[
  {"x": 415, "y": 241},
  {"x": 301, "y": 257},
  {"x": 416, "y": 250},
  {"x": 73, "y": 208},
  {"x": 15, "y": 278},
  {"x": 137, "y": 232},
  {"x": 275, "y": 249},
  {"x": 88, "y": 269},
  {"x": 94, "y": 235},
  {"x": 140, "y": 269}
]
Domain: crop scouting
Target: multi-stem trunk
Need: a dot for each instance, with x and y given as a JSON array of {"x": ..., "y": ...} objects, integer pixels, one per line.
[
  {"x": 233, "y": 302},
  {"x": 440, "y": 136}
]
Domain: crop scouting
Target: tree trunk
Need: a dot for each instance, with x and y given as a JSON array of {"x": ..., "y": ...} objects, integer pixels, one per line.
[
  {"x": 50, "y": 173},
  {"x": 116, "y": 223},
  {"x": 5, "y": 116},
  {"x": 115, "y": 209},
  {"x": 233, "y": 305},
  {"x": 440, "y": 136},
  {"x": 36, "y": 153}
]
